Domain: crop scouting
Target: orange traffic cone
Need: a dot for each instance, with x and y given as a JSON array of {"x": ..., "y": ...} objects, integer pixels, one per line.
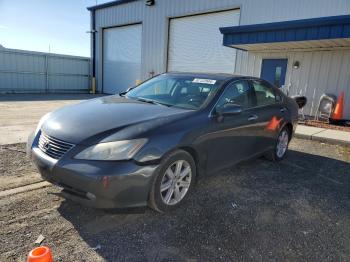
[
  {"x": 338, "y": 111},
  {"x": 40, "y": 254}
]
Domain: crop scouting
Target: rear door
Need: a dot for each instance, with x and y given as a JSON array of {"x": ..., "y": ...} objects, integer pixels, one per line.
[
  {"x": 232, "y": 138},
  {"x": 270, "y": 114}
]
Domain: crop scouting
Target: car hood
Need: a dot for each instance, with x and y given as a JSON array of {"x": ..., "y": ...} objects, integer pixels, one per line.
[{"x": 105, "y": 116}]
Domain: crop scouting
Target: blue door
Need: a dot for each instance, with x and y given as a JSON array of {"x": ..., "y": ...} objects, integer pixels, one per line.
[{"x": 274, "y": 71}]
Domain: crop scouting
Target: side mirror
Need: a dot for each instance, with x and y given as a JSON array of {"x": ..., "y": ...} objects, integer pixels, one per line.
[
  {"x": 229, "y": 109},
  {"x": 301, "y": 100}
]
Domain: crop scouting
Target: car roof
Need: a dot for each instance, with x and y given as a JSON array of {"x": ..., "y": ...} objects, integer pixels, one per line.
[{"x": 215, "y": 76}]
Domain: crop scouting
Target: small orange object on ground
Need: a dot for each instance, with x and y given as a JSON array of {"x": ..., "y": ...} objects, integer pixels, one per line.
[
  {"x": 338, "y": 111},
  {"x": 40, "y": 254}
]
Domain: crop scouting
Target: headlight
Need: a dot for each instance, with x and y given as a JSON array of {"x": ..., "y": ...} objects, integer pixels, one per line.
[
  {"x": 118, "y": 150},
  {"x": 41, "y": 122}
]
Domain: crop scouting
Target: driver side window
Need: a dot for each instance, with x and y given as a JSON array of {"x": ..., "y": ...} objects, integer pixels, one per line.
[{"x": 237, "y": 93}]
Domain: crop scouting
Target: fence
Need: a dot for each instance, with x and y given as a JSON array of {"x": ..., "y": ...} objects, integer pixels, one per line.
[{"x": 35, "y": 72}]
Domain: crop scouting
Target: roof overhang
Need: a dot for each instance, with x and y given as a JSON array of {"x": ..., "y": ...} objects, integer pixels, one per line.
[{"x": 307, "y": 34}]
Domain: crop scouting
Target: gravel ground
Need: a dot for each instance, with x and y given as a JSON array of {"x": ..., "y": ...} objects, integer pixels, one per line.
[
  {"x": 14, "y": 160},
  {"x": 15, "y": 168},
  {"x": 295, "y": 210}
]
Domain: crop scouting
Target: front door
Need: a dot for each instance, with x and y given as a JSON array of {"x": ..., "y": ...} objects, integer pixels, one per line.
[
  {"x": 232, "y": 138},
  {"x": 274, "y": 71}
]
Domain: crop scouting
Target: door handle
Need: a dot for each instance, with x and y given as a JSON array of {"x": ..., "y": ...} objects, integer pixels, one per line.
[
  {"x": 252, "y": 118},
  {"x": 283, "y": 109}
]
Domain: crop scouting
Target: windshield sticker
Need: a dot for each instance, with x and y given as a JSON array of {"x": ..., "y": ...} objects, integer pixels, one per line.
[{"x": 204, "y": 81}]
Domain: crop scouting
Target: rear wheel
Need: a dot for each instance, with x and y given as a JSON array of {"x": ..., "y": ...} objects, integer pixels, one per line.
[
  {"x": 174, "y": 180},
  {"x": 281, "y": 146}
]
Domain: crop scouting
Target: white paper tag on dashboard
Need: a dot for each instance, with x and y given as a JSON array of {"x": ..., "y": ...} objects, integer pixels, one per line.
[{"x": 204, "y": 81}]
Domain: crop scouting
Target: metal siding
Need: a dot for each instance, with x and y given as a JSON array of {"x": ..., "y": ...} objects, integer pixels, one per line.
[
  {"x": 155, "y": 22},
  {"x": 24, "y": 62},
  {"x": 275, "y": 11},
  {"x": 320, "y": 72},
  {"x": 69, "y": 84},
  {"x": 26, "y": 71},
  {"x": 257, "y": 11},
  {"x": 63, "y": 65}
]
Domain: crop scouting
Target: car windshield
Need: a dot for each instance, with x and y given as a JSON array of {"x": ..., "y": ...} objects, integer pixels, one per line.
[{"x": 189, "y": 92}]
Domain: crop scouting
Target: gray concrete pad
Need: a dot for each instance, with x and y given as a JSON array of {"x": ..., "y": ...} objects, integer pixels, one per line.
[
  {"x": 333, "y": 136},
  {"x": 20, "y": 113},
  {"x": 323, "y": 135},
  {"x": 307, "y": 131}
]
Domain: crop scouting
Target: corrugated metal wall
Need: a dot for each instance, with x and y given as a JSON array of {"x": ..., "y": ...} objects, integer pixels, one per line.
[
  {"x": 319, "y": 72},
  {"x": 155, "y": 21},
  {"x": 258, "y": 11},
  {"x": 28, "y": 72},
  {"x": 312, "y": 78},
  {"x": 155, "y": 24}
]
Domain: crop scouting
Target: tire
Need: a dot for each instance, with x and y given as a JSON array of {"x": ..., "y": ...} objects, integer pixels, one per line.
[
  {"x": 179, "y": 185},
  {"x": 276, "y": 155}
]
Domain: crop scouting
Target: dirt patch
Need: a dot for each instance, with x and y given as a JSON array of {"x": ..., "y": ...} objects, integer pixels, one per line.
[
  {"x": 326, "y": 125},
  {"x": 14, "y": 160},
  {"x": 16, "y": 169}
]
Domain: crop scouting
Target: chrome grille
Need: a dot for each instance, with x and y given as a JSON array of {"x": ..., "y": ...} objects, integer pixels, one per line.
[{"x": 53, "y": 147}]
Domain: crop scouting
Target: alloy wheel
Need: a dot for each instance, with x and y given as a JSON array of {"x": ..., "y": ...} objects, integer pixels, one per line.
[
  {"x": 282, "y": 143},
  {"x": 175, "y": 182}
]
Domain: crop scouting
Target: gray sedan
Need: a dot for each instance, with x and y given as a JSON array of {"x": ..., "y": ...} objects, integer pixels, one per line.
[{"x": 149, "y": 145}]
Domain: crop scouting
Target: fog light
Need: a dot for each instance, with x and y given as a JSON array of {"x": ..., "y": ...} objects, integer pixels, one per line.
[{"x": 90, "y": 196}]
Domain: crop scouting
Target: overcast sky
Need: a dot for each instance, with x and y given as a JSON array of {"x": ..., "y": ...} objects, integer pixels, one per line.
[{"x": 37, "y": 24}]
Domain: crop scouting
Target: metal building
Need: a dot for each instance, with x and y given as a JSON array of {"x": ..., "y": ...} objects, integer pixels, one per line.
[
  {"x": 24, "y": 71},
  {"x": 136, "y": 39}
]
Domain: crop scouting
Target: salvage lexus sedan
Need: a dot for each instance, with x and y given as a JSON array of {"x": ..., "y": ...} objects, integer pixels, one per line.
[{"x": 147, "y": 146}]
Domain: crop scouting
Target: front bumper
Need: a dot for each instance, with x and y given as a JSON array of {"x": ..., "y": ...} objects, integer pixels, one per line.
[{"x": 99, "y": 184}]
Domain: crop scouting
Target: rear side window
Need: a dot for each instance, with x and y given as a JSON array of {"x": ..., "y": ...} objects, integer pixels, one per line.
[
  {"x": 236, "y": 93},
  {"x": 265, "y": 95}
]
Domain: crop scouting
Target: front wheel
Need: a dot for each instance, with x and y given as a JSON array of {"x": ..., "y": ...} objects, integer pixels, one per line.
[
  {"x": 175, "y": 177},
  {"x": 281, "y": 146}
]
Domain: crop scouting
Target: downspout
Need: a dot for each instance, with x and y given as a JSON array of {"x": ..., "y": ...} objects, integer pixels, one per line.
[{"x": 93, "y": 58}]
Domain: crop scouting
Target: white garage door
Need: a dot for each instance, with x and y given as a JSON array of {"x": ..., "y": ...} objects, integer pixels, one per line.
[
  {"x": 195, "y": 43},
  {"x": 121, "y": 57}
]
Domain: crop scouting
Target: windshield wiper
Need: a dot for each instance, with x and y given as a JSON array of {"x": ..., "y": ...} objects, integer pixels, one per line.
[
  {"x": 126, "y": 91},
  {"x": 151, "y": 101}
]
